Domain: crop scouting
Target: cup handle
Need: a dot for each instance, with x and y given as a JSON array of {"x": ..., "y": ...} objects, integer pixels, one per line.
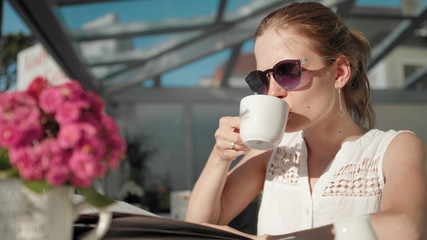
[{"x": 102, "y": 226}]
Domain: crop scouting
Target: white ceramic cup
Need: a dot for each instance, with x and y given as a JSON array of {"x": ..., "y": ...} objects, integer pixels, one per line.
[
  {"x": 354, "y": 228},
  {"x": 262, "y": 121}
]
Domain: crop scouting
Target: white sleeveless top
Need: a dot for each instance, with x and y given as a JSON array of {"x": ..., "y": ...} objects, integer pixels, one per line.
[{"x": 351, "y": 185}]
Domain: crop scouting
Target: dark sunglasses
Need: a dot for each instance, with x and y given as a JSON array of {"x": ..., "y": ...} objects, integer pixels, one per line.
[{"x": 286, "y": 73}]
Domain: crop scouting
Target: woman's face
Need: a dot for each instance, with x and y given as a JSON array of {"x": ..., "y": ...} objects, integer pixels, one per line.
[{"x": 314, "y": 105}]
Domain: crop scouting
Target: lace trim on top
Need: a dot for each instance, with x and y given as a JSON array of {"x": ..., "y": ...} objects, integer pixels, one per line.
[
  {"x": 284, "y": 167},
  {"x": 352, "y": 179},
  {"x": 355, "y": 180}
]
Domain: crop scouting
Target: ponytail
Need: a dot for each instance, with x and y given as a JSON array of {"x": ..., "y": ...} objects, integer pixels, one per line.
[{"x": 357, "y": 90}]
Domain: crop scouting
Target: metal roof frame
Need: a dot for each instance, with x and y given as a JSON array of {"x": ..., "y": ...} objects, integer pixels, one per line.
[{"x": 398, "y": 35}]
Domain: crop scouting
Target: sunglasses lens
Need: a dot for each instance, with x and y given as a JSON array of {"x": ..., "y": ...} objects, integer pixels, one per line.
[
  {"x": 288, "y": 75},
  {"x": 257, "y": 82}
]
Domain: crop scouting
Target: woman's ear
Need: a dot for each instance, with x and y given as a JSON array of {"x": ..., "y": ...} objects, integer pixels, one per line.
[{"x": 343, "y": 72}]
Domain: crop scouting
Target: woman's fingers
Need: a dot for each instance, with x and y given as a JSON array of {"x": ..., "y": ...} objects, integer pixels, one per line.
[{"x": 228, "y": 142}]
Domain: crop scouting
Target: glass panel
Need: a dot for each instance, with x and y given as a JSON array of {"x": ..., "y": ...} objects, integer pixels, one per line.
[
  {"x": 75, "y": 16},
  {"x": 237, "y": 9},
  {"x": 162, "y": 42},
  {"x": 384, "y": 3},
  {"x": 148, "y": 83},
  {"x": 233, "y": 5},
  {"x": 202, "y": 72},
  {"x": 198, "y": 73},
  {"x": 248, "y": 46},
  {"x": 102, "y": 72},
  {"x": 163, "y": 14},
  {"x": 388, "y": 3},
  {"x": 12, "y": 23},
  {"x": 112, "y": 51}
]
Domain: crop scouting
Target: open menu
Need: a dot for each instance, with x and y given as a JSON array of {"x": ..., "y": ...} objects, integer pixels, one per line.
[
  {"x": 130, "y": 222},
  {"x": 147, "y": 227}
]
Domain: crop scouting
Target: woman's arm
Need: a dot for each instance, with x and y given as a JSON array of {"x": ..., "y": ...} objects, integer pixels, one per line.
[
  {"x": 219, "y": 195},
  {"x": 404, "y": 203}
]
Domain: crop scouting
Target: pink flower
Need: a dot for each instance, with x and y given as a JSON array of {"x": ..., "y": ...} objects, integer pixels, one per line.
[
  {"x": 92, "y": 118},
  {"x": 25, "y": 114},
  {"x": 19, "y": 156},
  {"x": 82, "y": 166},
  {"x": 69, "y": 135},
  {"x": 51, "y": 99},
  {"x": 17, "y": 106},
  {"x": 59, "y": 134},
  {"x": 19, "y": 135},
  {"x": 36, "y": 86},
  {"x": 95, "y": 147},
  {"x": 26, "y": 161},
  {"x": 50, "y": 154},
  {"x": 89, "y": 130},
  {"x": 68, "y": 113},
  {"x": 9, "y": 136},
  {"x": 30, "y": 172},
  {"x": 74, "y": 93},
  {"x": 109, "y": 124},
  {"x": 80, "y": 99},
  {"x": 72, "y": 89},
  {"x": 57, "y": 175},
  {"x": 29, "y": 133},
  {"x": 97, "y": 105}
]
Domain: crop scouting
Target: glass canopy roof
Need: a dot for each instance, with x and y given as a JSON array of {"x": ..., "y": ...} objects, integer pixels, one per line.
[{"x": 114, "y": 47}]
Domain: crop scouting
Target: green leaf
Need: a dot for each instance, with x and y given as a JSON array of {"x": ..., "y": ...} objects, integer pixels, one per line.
[
  {"x": 37, "y": 186},
  {"x": 94, "y": 198},
  {"x": 4, "y": 160},
  {"x": 9, "y": 173}
]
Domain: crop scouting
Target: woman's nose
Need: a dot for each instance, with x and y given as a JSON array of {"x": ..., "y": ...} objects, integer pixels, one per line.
[{"x": 274, "y": 89}]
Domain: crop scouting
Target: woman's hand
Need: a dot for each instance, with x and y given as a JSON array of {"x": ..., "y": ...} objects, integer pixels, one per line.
[{"x": 228, "y": 144}]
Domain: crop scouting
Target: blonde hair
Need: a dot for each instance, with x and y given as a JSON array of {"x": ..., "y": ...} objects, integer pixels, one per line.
[{"x": 332, "y": 39}]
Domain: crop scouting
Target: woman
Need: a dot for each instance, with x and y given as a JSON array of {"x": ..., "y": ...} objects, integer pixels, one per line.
[{"x": 330, "y": 163}]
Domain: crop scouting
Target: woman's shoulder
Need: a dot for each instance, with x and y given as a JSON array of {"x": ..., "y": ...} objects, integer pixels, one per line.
[
  {"x": 406, "y": 141},
  {"x": 374, "y": 142},
  {"x": 407, "y": 151},
  {"x": 383, "y": 141},
  {"x": 377, "y": 135}
]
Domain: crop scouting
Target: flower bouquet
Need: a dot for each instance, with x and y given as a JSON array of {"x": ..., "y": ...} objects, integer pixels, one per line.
[{"x": 58, "y": 135}]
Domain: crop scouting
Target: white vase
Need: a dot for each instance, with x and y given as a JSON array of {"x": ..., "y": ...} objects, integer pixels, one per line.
[
  {"x": 47, "y": 216},
  {"x": 354, "y": 228}
]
